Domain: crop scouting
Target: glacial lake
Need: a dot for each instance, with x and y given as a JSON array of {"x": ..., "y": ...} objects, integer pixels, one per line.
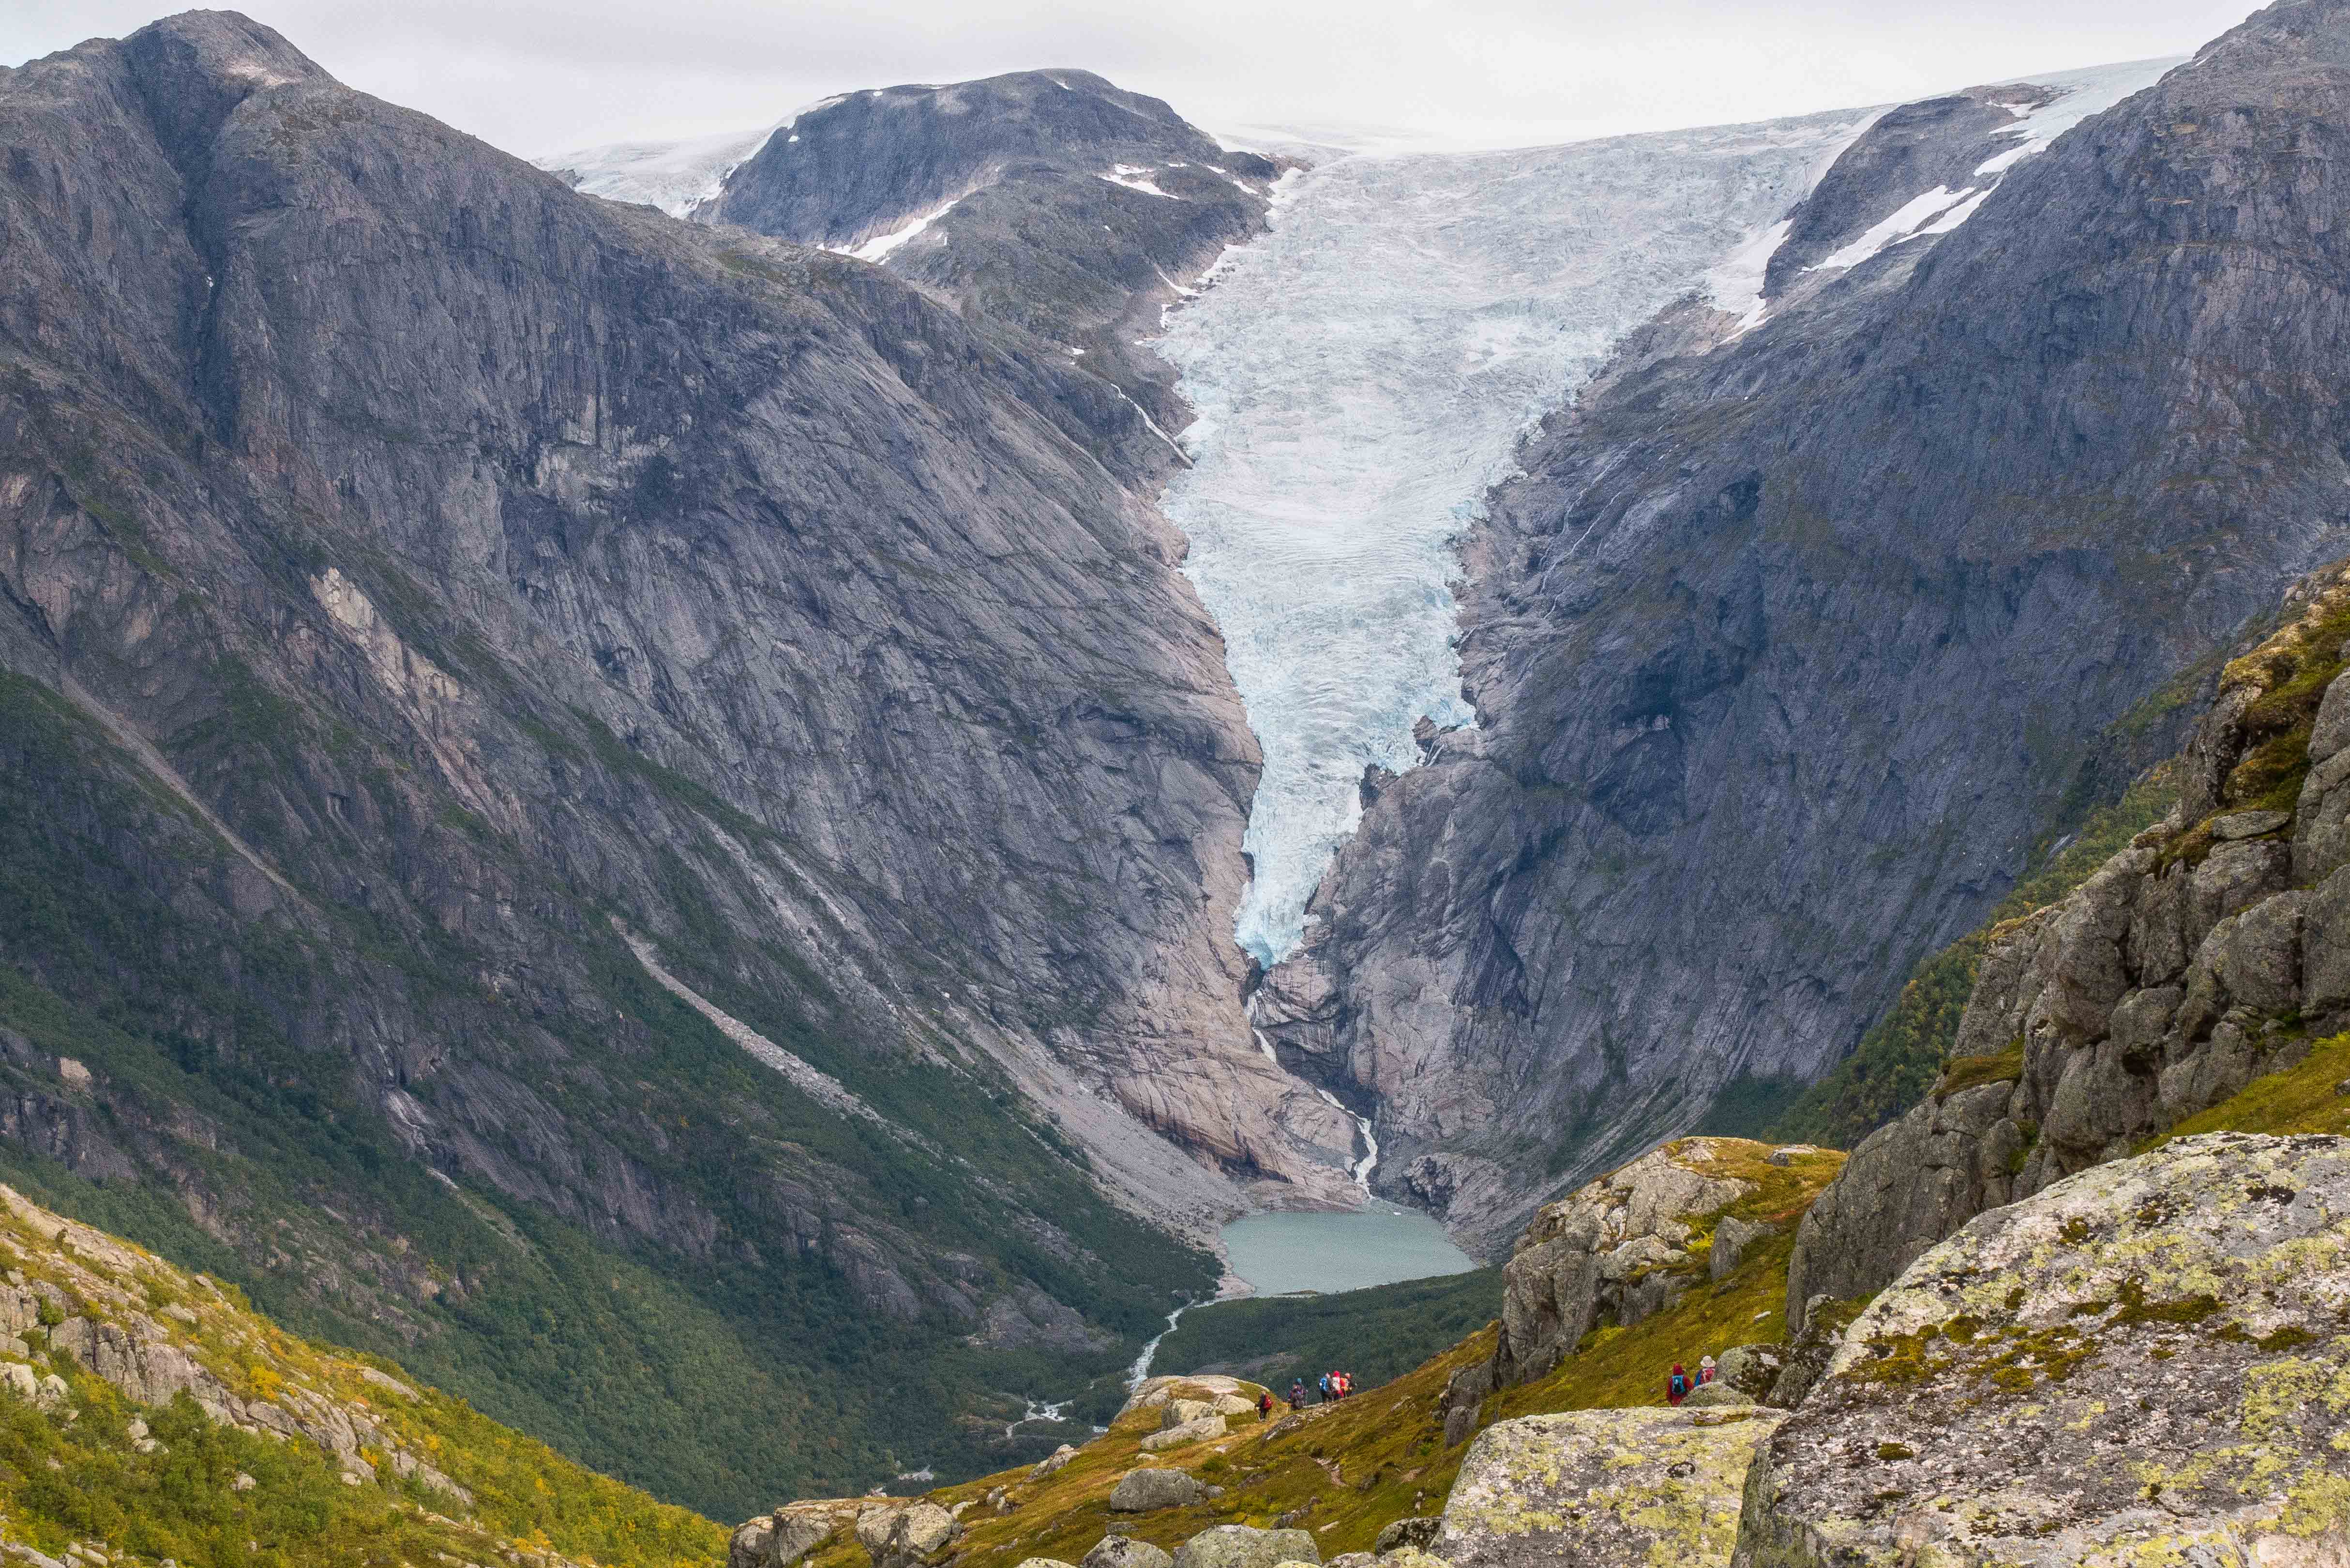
[{"x": 1376, "y": 1245}]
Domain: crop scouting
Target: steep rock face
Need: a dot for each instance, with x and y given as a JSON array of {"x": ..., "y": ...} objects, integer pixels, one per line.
[
  {"x": 1787, "y": 640},
  {"x": 2143, "y": 1363},
  {"x": 641, "y": 729},
  {"x": 1609, "y": 1248},
  {"x": 2204, "y": 955},
  {"x": 1050, "y": 200}
]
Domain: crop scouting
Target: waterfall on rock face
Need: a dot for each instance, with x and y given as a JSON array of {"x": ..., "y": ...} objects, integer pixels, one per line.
[{"x": 1362, "y": 375}]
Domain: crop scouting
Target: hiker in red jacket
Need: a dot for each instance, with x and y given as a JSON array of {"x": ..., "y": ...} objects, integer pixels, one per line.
[{"x": 1677, "y": 1387}]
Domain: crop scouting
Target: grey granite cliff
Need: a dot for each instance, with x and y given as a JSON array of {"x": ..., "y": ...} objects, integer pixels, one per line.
[{"x": 1785, "y": 643}]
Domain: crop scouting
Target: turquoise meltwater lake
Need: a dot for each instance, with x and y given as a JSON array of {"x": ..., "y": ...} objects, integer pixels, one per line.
[{"x": 1377, "y": 1244}]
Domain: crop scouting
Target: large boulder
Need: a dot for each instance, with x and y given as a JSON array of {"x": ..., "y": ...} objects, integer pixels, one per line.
[
  {"x": 1612, "y": 1245},
  {"x": 1125, "y": 1551},
  {"x": 1239, "y": 1546},
  {"x": 1148, "y": 1491},
  {"x": 779, "y": 1539},
  {"x": 1180, "y": 1412},
  {"x": 1604, "y": 1488},
  {"x": 1152, "y": 1393},
  {"x": 2146, "y": 1362},
  {"x": 1420, "y": 1532},
  {"x": 916, "y": 1536},
  {"x": 1181, "y": 1437}
]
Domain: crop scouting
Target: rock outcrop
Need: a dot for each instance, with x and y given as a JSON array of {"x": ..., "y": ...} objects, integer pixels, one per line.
[
  {"x": 916, "y": 1535},
  {"x": 1791, "y": 636},
  {"x": 1241, "y": 1546},
  {"x": 1052, "y": 201},
  {"x": 2143, "y": 1363},
  {"x": 1149, "y": 1490},
  {"x": 1125, "y": 1551},
  {"x": 1616, "y": 1247},
  {"x": 2202, "y": 956},
  {"x": 1602, "y": 1489}
]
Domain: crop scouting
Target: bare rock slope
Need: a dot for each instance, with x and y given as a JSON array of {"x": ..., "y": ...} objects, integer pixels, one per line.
[
  {"x": 549, "y": 746},
  {"x": 2206, "y": 954},
  {"x": 1788, "y": 641}
]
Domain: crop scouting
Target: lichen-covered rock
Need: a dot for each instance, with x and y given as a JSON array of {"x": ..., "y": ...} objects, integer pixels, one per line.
[
  {"x": 1177, "y": 1412},
  {"x": 1420, "y": 1532},
  {"x": 1053, "y": 1462},
  {"x": 1604, "y": 1488},
  {"x": 2148, "y": 1364},
  {"x": 1239, "y": 1546},
  {"x": 1182, "y": 1436},
  {"x": 1752, "y": 1369},
  {"x": 1717, "y": 1395},
  {"x": 1148, "y": 1491},
  {"x": 1155, "y": 1393},
  {"x": 1125, "y": 1551},
  {"x": 921, "y": 1534},
  {"x": 1599, "y": 1250}
]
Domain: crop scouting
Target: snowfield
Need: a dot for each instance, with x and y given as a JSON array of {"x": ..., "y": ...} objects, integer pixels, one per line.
[{"x": 1362, "y": 376}]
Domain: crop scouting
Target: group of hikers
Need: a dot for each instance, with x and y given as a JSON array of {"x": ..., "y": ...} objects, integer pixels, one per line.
[
  {"x": 1680, "y": 1386},
  {"x": 1334, "y": 1386}
]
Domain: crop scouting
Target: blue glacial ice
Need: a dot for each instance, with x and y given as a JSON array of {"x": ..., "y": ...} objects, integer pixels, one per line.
[{"x": 1362, "y": 376}]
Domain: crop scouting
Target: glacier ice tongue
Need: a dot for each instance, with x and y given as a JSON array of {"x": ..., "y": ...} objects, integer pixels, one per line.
[{"x": 1362, "y": 376}]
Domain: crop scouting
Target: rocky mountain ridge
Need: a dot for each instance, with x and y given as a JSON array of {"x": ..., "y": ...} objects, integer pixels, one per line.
[
  {"x": 1051, "y": 202},
  {"x": 2206, "y": 954},
  {"x": 1788, "y": 644},
  {"x": 548, "y": 745}
]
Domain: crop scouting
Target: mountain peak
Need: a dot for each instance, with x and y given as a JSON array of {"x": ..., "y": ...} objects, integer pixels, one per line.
[{"x": 195, "y": 68}]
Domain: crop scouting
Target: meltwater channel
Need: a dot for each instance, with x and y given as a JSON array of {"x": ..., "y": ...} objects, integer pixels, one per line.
[{"x": 1362, "y": 375}]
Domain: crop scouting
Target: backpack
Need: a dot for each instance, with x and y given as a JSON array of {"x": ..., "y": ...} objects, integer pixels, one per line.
[{"x": 1680, "y": 1386}]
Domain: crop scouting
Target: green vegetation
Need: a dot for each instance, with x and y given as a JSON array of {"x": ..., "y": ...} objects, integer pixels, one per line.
[
  {"x": 1346, "y": 1471},
  {"x": 727, "y": 1370},
  {"x": 207, "y": 1494},
  {"x": 1900, "y": 1059},
  {"x": 2307, "y": 1097},
  {"x": 1378, "y": 1333}
]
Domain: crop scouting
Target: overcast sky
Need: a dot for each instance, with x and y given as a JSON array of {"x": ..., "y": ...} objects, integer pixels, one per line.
[{"x": 545, "y": 75}]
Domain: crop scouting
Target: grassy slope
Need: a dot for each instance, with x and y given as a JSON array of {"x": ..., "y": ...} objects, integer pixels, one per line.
[
  {"x": 83, "y": 1479},
  {"x": 2305, "y": 1099},
  {"x": 1358, "y": 1466}
]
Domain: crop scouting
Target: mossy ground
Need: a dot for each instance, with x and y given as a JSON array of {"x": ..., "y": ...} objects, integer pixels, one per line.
[
  {"x": 1355, "y": 1467},
  {"x": 2303, "y": 1099}
]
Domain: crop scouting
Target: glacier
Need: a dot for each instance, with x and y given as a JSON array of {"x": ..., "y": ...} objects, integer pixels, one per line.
[{"x": 1361, "y": 377}]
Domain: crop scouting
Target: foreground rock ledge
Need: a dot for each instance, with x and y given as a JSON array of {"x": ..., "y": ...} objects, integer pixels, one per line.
[
  {"x": 2148, "y": 1364},
  {"x": 1604, "y": 1487}
]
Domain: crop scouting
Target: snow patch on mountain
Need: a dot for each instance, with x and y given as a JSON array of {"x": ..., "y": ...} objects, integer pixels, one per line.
[
  {"x": 675, "y": 176},
  {"x": 879, "y": 247},
  {"x": 2081, "y": 94},
  {"x": 1363, "y": 375}
]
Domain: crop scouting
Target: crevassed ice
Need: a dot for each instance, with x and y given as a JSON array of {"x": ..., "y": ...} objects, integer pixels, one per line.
[{"x": 1362, "y": 376}]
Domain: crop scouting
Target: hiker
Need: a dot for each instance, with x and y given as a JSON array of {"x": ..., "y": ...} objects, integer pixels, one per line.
[
  {"x": 1677, "y": 1387},
  {"x": 1265, "y": 1405},
  {"x": 1297, "y": 1393},
  {"x": 1326, "y": 1388},
  {"x": 1707, "y": 1371},
  {"x": 1346, "y": 1384}
]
